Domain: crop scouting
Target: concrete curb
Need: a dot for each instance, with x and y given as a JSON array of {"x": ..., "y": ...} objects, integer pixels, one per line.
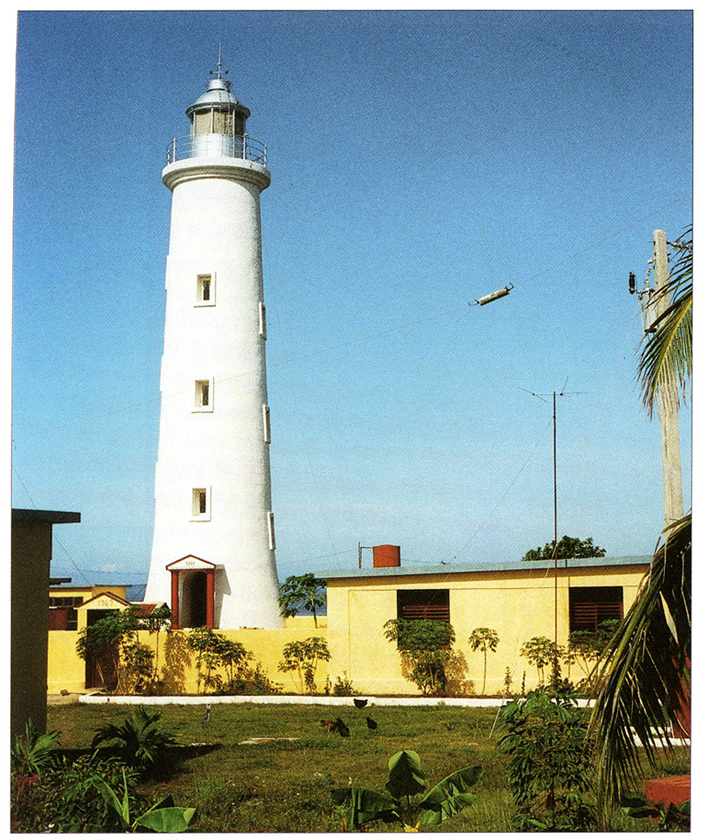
[{"x": 298, "y": 700}]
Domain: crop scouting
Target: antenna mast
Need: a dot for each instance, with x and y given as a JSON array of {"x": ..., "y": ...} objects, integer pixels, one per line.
[
  {"x": 554, "y": 395},
  {"x": 218, "y": 71}
]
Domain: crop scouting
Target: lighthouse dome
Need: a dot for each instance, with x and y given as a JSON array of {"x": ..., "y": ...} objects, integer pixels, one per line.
[{"x": 218, "y": 96}]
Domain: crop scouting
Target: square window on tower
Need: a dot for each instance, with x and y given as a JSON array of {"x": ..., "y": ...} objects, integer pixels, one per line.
[
  {"x": 206, "y": 290},
  {"x": 203, "y": 395},
  {"x": 201, "y": 504}
]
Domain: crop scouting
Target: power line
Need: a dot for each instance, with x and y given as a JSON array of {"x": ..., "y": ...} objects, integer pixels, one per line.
[
  {"x": 370, "y": 336},
  {"x": 507, "y": 491},
  {"x": 605, "y": 239}
]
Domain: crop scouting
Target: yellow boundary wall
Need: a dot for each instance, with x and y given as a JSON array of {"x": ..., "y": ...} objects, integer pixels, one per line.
[{"x": 67, "y": 671}]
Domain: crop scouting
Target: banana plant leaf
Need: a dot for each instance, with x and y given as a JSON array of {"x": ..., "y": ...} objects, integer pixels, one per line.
[
  {"x": 670, "y": 818},
  {"x": 637, "y": 807},
  {"x": 171, "y": 820},
  {"x": 121, "y": 808},
  {"x": 361, "y": 805},
  {"x": 162, "y": 817},
  {"x": 406, "y": 777},
  {"x": 450, "y": 796}
]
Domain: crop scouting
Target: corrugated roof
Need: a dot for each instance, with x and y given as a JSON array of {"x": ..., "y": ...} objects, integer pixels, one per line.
[{"x": 449, "y": 569}]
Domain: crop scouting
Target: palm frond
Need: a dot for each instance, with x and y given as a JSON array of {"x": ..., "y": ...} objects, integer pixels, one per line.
[
  {"x": 666, "y": 360},
  {"x": 646, "y": 675}
]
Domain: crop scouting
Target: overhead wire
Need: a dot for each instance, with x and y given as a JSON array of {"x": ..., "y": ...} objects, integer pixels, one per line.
[
  {"x": 507, "y": 491},
  {"x": 601, "y": 411},
  {"x": 88, "y": 416},
  {"x": 531, "y": 565},
  {"x": 603, "y": 239},
  {"x": 55, "y": 538}
]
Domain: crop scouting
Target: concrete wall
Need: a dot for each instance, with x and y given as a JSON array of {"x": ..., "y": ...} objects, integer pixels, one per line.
[
  {"x": 518, "y": 605},
  {"x": 67, "y": 670},
  {"x": 31, "y": 556}
]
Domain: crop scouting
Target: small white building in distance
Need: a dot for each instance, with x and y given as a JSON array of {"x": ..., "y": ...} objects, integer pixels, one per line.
[{"x": 213, "y": 557}]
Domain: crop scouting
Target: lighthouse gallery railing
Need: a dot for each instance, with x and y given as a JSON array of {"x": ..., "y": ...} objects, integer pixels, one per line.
[{"x": 222, "y": 145}]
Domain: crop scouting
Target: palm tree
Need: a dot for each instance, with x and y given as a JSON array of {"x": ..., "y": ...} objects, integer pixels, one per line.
[
  {"x": 666, "y": 359},
  {"x": 484, "y": 639},
  {"x": 645, "y": 677}
]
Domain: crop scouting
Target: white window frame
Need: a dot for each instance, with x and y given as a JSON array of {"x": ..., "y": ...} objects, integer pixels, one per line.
[
  {"x": 196, "y": 514},
  {"x": 201, "y": 277},
  {"x": 197, "y": 406}
]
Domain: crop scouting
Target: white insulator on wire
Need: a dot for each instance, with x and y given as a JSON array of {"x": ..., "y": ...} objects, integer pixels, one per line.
[{"x": 494, "y": 295}]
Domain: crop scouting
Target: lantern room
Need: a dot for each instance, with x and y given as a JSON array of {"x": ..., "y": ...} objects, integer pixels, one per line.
[{"x": 218, "y": 120}]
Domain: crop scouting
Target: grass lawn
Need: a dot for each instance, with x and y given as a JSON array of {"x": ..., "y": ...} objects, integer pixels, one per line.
[{"x": 283, "y": 786}]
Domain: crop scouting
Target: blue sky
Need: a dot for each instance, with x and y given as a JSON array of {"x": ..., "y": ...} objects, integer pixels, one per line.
[{"x": 419, "y": 161}]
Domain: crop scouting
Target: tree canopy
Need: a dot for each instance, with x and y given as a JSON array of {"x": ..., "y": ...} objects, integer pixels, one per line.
[
  {"x": 302, "y": 592},
  {"x": 568, "y": 547},
  {"x": 425, "y": 646},
  {"x": 666, "y": 358}
]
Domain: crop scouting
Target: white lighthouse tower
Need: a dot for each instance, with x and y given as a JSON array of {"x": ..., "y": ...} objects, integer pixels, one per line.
[{"x": 213, "y": 557}]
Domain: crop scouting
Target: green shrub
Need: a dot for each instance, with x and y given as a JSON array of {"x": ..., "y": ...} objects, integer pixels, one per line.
[
  {"x": 63, "y": 797},
  {"x": 124, "y": 663},
  {"x": 88, "y": 794},
  {"x": 302, "y": 658},
  {"x": 551, "y": 768},
  {"x": 405, "y": 802},
  {"x": 142, "y": 743},
  {"x": 32, "y": 752},
  {"x": 541, "y": 652},
  {"x": 668, "y": 817},
  {"x": 213, "y": 652},
  {"x": 425, "y": 648},
  {"x": 343, "y": 687}
]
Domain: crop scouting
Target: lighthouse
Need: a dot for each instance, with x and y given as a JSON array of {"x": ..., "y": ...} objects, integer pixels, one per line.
[{"x": 213, "y": 556}]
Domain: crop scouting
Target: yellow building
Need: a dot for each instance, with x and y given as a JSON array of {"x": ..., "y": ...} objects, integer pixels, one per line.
[
  {"x": 519, "y": 600},
  {"x": 64, "y": 600}
]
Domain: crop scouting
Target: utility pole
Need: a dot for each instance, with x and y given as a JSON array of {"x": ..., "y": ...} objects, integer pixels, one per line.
[{"x": 654, "y": 303}]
